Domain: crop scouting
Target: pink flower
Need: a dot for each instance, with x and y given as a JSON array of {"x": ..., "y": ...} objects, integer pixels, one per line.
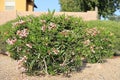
[
  {"x": 29, "y": 45},
  {"x": 11, "y": 41},
  {"x": 65, "y": 32},
  {"x": 92, "y": 49},
  {"x": 43, "y": 28},
  {"x": 18, "y": 23},
  {"x": 55, "y": 51},
  {"x": 23, "y": 59},
  {"x": 20, "y": 64},
  {"x": 92, "y": 32},
  {"x": 87, "y": 42},
  {"x": 43, "y": 21},
  {"x": 52, "y": 26},
  {"x": 22, "y": 22},
  {"x": 22, "y": 33}
]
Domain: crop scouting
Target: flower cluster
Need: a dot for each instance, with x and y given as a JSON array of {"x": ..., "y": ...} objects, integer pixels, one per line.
[
  {"x": 18, "y": 23},
  {"x": 43, "y": 21},
  {"x": 20, "y": 63},
  {"x": 86, "y": 42},
  {"x": 65, "y": 32},
  {"x": 23, "y": 59},
  {"x": 92, "y": 32},
  {"x": 55, "y": 51},
  {"x": 11, "y": 41},
  {"x": 52, "y": 26},
  {"x": 22, "y": 33},
  {"x": 43, "y": 28},
  {"x": 92, "y": 49}
]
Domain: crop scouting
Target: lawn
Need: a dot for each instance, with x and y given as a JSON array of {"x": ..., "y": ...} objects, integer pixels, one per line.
[{"x": 3, "y": 31}]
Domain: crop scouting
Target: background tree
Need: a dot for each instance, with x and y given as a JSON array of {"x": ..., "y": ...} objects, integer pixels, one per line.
[
  {"x": 105, "y": 7},
  {"x": 69, "y": 5},
  {"x": 114, "y": 18}
]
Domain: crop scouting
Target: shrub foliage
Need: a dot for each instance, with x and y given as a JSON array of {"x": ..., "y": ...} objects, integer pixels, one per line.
[{"x": 56, "y": 44}]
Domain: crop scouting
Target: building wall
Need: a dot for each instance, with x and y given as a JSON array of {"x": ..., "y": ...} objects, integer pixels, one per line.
[
  {"x": 30, "y": 6},
  {"x": 20, "y": 5},
  {"x": 10, "y": 15},
  {"x": 1, "y": 5}
]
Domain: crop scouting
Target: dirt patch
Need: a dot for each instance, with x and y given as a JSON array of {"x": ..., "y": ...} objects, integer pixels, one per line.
[{"x": 109, "y": 70}]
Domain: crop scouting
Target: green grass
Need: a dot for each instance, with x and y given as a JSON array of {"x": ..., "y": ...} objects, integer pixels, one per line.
[
  {"x": 4, "y": 29},
  {"x": 108, "y": 25}
]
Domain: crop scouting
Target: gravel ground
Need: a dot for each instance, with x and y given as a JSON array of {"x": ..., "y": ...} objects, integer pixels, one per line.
[{"x": 109, "y": 70}]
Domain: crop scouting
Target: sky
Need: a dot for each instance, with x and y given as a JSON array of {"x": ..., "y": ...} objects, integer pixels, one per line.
[{"x": 44, "y": 5}]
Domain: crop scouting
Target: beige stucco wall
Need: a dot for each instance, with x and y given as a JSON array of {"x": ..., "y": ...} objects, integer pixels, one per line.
[
  {"x": 7, "y": 16},
  {"x": 10, "y": 15},
  {"x": 1, "y": 5},
  {"x": 20, "y": 5}
]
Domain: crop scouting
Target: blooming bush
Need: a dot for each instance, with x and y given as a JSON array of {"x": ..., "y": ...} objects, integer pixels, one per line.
[
  {"x": 56, "y": 44},
  {"x": 97, "y": 45}
]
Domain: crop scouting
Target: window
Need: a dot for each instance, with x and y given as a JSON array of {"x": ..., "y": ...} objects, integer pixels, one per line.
[{"x": 9, "y": 5}]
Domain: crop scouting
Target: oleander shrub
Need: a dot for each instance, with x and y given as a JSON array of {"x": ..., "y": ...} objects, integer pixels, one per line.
[
  {"x": 111, "y": 26},
  {"x": 47, "y": 44},
  {"x": 98, "y": 44},
  {"x": 56, "y": 44}
]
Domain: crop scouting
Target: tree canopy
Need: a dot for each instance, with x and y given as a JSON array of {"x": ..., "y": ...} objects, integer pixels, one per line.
[{"x": 105, "y": 7}]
